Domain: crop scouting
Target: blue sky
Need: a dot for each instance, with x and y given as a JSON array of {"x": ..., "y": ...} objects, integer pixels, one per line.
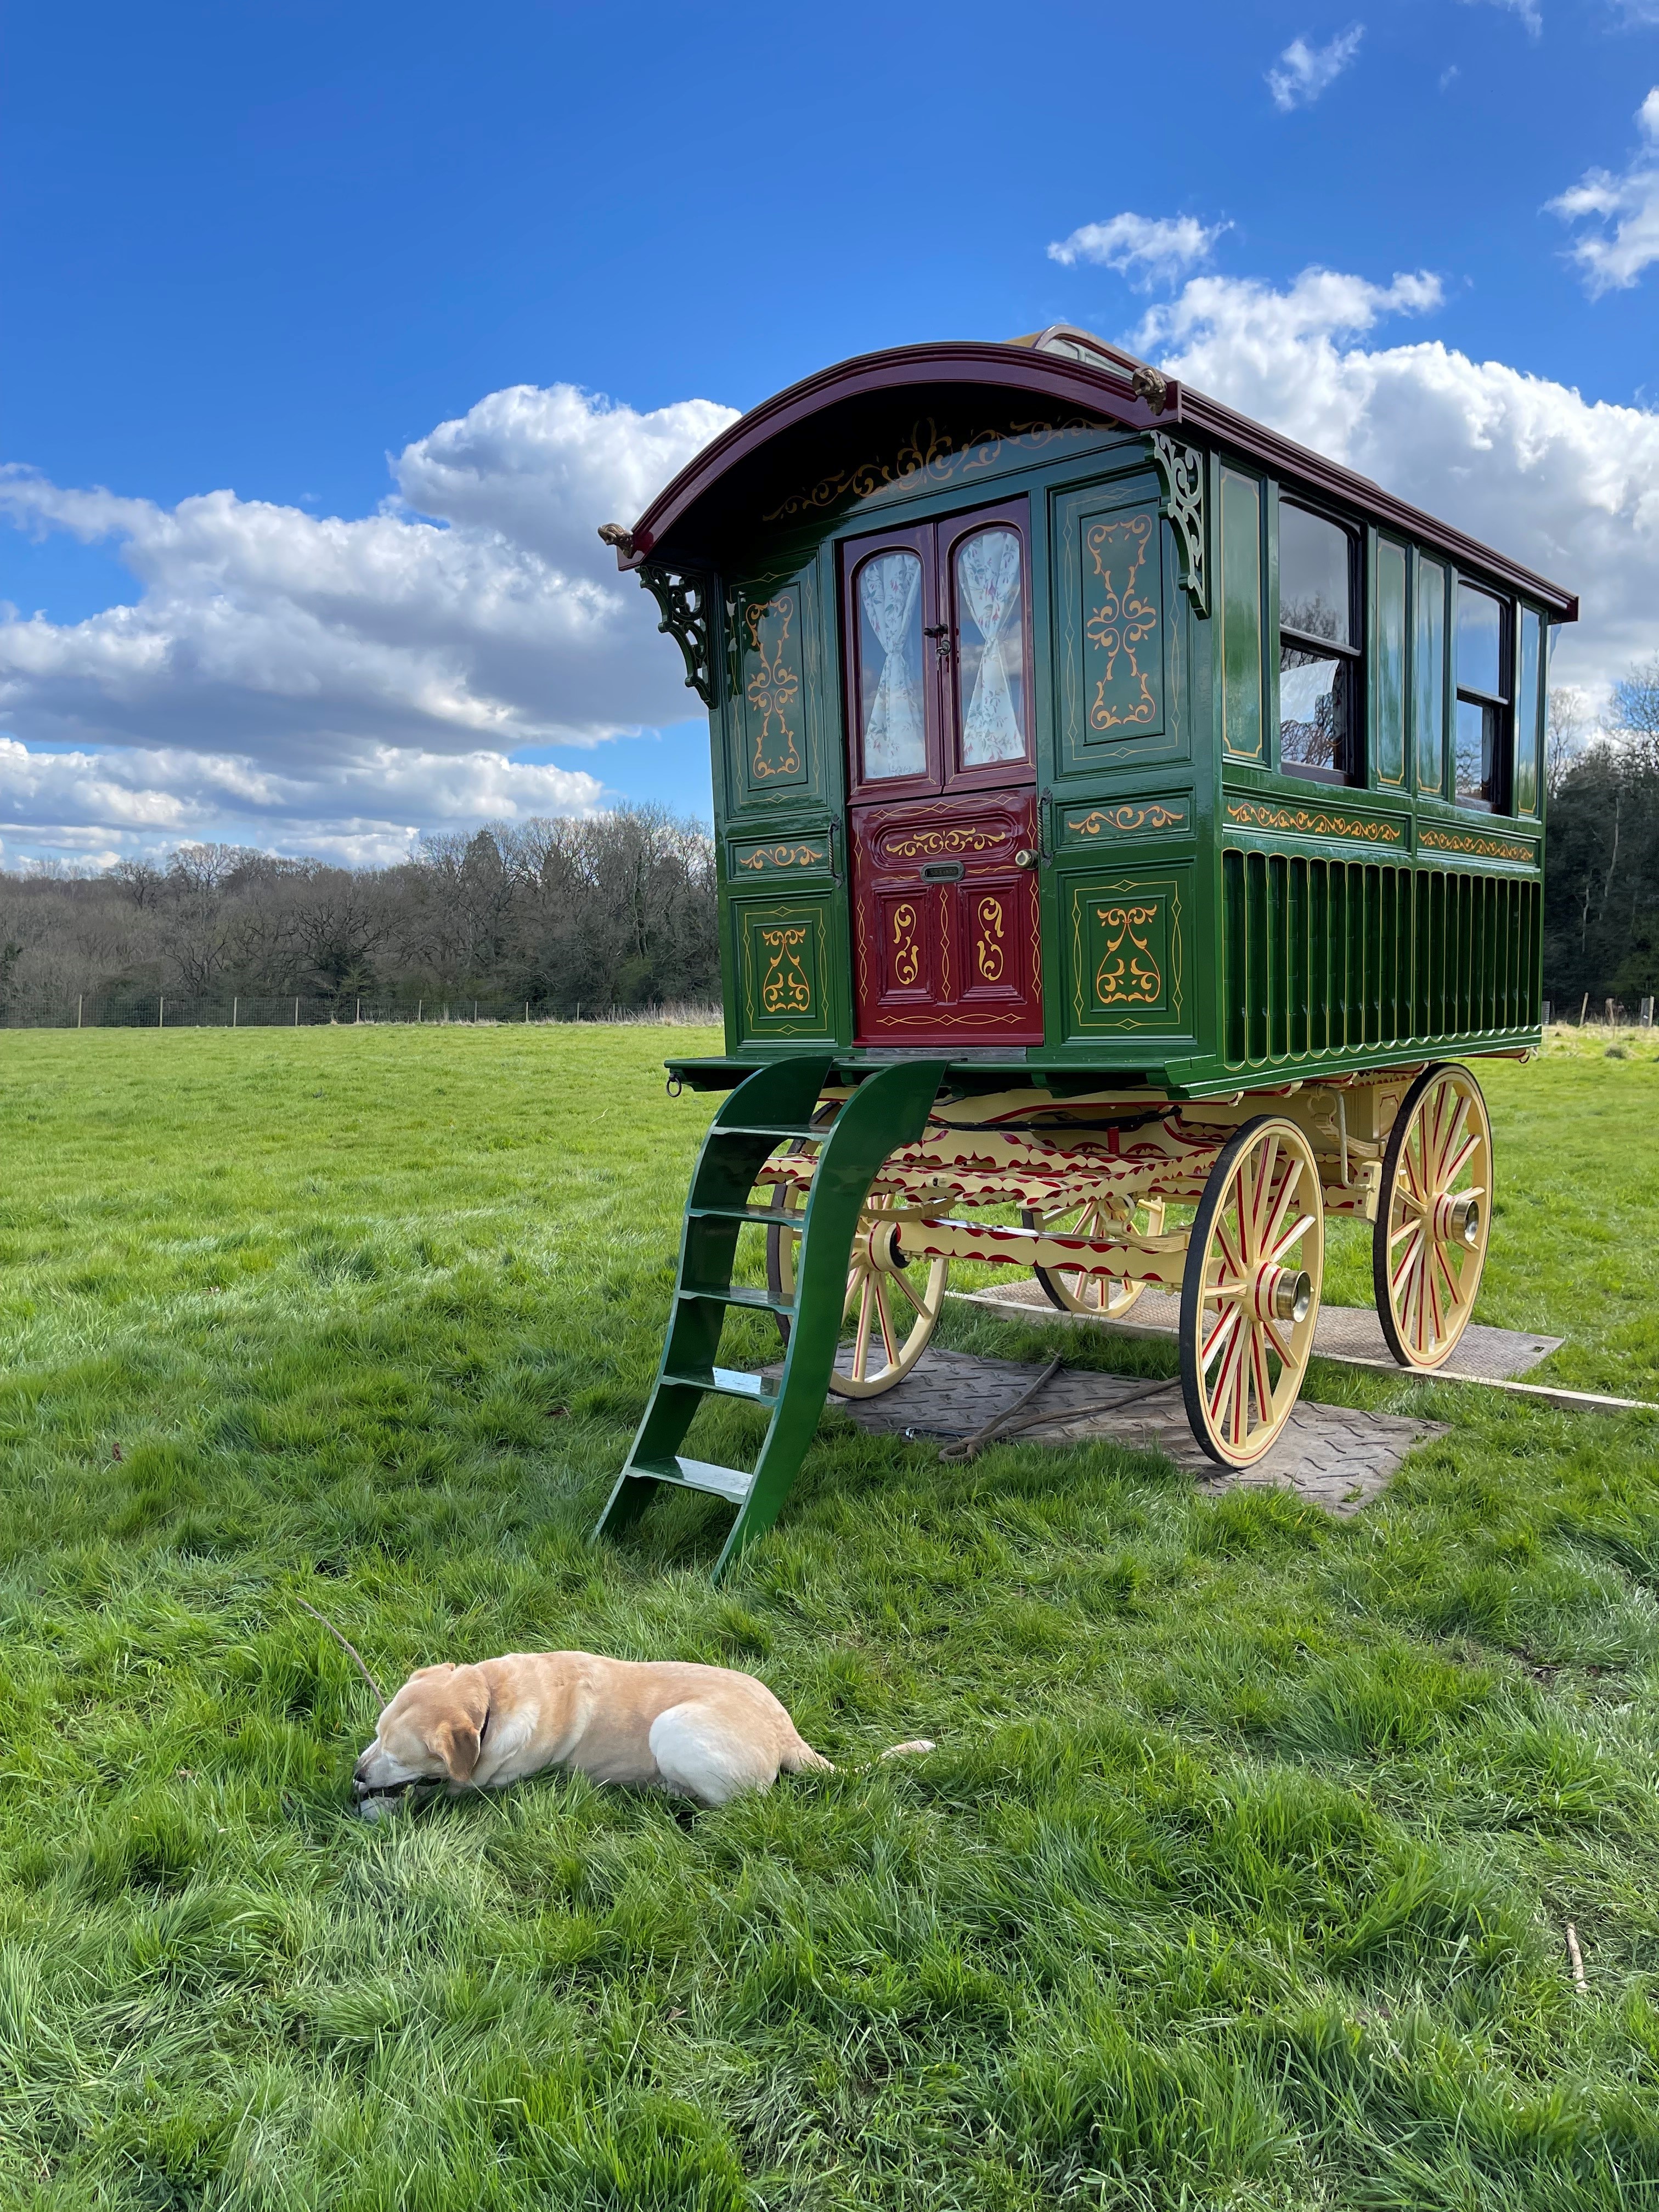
[{"x": 264, "y": 251}]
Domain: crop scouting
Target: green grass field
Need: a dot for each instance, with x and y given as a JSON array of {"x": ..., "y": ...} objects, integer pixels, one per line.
[{"x": 1240, "y": 1876}]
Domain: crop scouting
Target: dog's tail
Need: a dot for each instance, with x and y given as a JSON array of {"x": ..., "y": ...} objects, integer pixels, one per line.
[{"x": 801, "y": 1759}]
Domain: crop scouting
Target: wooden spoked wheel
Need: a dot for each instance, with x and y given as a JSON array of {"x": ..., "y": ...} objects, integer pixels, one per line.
[
  {"x": 1433, "y": 1215},
  {"x": 892, "y": 1306},
  {"x": 1070, "y": 1288},
  {"x": 1249, "y": 1297}
]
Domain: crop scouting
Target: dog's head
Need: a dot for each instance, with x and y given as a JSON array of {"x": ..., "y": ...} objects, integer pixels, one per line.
[{"x": 429, "y": 1737}]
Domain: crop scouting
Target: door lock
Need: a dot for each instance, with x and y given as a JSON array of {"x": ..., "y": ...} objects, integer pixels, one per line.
[
  {"x": 1025, "y": 858},
  {"x": 940, "y": 633}
]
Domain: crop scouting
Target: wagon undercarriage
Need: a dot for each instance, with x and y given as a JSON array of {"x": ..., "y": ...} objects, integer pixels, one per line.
[{"x": 1222, "y": 1202}]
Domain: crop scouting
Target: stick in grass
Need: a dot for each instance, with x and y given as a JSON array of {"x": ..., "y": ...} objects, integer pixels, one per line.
[
  {"x": 380, "y": 1694},
  {"x": 1576, "y": 1957}
]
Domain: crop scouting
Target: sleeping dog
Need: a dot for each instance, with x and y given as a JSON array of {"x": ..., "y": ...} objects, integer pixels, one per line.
[{"x": 706, "y": 1732}]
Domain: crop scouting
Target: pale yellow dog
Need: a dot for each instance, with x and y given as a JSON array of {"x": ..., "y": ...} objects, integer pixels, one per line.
[{"x": 706, "y": 1732}]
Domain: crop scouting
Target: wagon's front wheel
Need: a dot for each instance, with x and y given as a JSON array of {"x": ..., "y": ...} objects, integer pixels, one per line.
[
  {"x": 1433, "y": 1215},
  {"x": 1249, "y": 1296}
]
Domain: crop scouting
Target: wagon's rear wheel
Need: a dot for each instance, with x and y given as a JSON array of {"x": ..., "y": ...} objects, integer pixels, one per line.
[
  {"x": 1249, "y": 1296},
  {"x": 892, "y": 1306},
  {"x": 1433, "y": 1215},
  {"x": 1070, "y": 1288}
]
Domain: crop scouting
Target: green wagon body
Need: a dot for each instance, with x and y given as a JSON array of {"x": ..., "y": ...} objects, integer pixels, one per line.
[
  {"x": 1293, "y": 926},
  {"x": 1077, "y": 740}
]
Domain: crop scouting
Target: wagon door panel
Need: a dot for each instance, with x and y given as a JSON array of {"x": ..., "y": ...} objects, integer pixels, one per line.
[{"x": 946, "y": 942}]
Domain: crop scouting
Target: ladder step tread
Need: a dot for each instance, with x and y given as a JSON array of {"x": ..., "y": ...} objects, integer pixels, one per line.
[
  {"x": 739, "y": 1294},
  {"x": 726, "y": 1382},
  {"x": 768, "y": 1217},
  {"x": 769, "y": 1129},
  {"x": 728, "y": 1482}
]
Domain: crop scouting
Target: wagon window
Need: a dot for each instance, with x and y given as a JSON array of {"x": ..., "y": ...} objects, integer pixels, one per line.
[
  {"x": 1528, "y": 719},
  {"x": 892, "y": 711},
  {"x": 1318, "y": 649},
  {"x": 1483, "y": 691},
  {"x": 990, "y": 611},
  {"x": 1429, "y": 675}
]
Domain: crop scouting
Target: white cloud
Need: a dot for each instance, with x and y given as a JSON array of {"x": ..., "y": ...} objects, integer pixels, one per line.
[
  {"x": 1568, "y": 487},
  {"x": 1528, "y": 10},
  {"x": 1306, "y": 71},
  {"x": 1612, "y": 258},
  {"x": 1146, "y": 249},
  {"x": 307, "y": 678}
]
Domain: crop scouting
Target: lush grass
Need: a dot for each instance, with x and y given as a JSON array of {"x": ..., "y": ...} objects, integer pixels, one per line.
[{"x": 1239, "y": 1878}]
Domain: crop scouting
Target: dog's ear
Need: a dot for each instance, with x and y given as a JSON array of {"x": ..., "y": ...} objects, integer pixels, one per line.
[{"x": 458, "y": 1737}]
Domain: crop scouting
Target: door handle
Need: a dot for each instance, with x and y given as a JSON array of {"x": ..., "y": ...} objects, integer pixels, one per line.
[
  {"x": 940, "y": 633},
  {"x": 1026, "y": 857}
]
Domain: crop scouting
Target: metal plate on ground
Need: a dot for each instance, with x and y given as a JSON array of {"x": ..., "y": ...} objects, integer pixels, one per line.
[
  {"x": 1334, "y": 1457},
  {"x": 1352, "y": 1333}
]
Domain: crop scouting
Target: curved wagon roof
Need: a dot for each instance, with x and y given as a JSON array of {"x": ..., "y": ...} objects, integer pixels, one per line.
[{"x": 802, "y": 426}]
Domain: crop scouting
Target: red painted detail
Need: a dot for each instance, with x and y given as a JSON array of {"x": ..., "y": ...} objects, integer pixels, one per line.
[{"x": 943, "y": 963}]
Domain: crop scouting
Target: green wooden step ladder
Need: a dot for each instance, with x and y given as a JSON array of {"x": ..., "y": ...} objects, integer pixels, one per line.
[{"x": 771, "y": 1106}]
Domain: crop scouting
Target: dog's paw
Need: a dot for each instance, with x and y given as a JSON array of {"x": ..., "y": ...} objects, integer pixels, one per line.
[{"x": 914, "y": 1749}]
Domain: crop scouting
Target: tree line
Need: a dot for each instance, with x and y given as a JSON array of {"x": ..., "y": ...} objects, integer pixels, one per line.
[
  {"x": 619, "y": 910},
  {"x": 615, "y": 911},
  {"x": 1602, "y": 851}
]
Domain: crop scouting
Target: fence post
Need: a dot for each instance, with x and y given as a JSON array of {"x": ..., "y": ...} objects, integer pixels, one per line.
[
  {"x": 360, "y": 1013},
  {"x": 296, "y": 1012},
  {"x": 1647, "y": 1013},
  {"x": 1583, "y": 1009},
  {"x": 160, "y": 1013},
  {"x": 1609, "y": 1011},
  {"x": 81, "y": 1001},
  {"x": 234, "y": 1003},
  {"x": 420, "y": 1009},
  {"x": 1548, "y": 1012},
  {"x": 475, "y": 1011},
  {"x": 527, "y": 1010}
]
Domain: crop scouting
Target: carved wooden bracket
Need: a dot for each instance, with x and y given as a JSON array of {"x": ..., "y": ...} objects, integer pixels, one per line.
[
  {"x": 1180, "y": 478},
  {"x": 684, "y": 597}
]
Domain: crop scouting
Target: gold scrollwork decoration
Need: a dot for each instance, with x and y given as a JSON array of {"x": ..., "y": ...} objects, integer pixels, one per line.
[
  {"x": 935, "y": 456},
  {"x": 1303, "y": 822},
  {"x": 1124, "y": 620},
  {"x": 988, "y": 950},
  {"x": 1129, "y": 974},
  {"x": 1152, "y": 814},
  {"x": 786, "y": 988},
  {"x": 1485, "y": 848},
  {"x": 919, "y": 843},
  {"x": 906, "y": 954},
  {"x": 764, "y": 857},
  {"x": 774, "y": 689}
]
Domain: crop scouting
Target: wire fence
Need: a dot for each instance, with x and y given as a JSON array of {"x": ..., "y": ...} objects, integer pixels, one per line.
[{"x": 160, "y": 1010}]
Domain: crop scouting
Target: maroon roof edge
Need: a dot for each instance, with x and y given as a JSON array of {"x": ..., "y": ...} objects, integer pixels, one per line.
[{"x": 1058, "y": 377}]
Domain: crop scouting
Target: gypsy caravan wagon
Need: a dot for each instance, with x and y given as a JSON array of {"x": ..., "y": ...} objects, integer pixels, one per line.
[{"x": 1130, "y": 827}]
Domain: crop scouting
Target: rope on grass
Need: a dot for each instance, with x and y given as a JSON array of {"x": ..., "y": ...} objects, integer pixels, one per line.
[{"x": 1005, "y": 1423}]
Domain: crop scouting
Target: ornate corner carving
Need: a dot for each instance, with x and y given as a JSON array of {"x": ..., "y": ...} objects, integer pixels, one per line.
[
  {"x": 1181, "y": 478},
  {"x": 615, "y": 535},
  {"x": 684, "y": 596}
]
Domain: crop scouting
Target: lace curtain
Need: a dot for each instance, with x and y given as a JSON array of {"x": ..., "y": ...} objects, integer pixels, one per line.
[
  {"x": 895, "y": 733},
  {"x": 989, "y": 581}
]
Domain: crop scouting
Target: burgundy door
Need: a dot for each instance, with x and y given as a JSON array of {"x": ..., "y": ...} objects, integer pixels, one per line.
[{"x": 936, "y": 620}]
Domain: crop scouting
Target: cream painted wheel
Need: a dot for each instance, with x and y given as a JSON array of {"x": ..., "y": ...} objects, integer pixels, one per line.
[
  {"x": 1249, "y": 1296},
  {"x": 891, "y": 1309},
  {"x": 1070, "y": 1288},
  {"x": 1433, "y": 1216}
]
